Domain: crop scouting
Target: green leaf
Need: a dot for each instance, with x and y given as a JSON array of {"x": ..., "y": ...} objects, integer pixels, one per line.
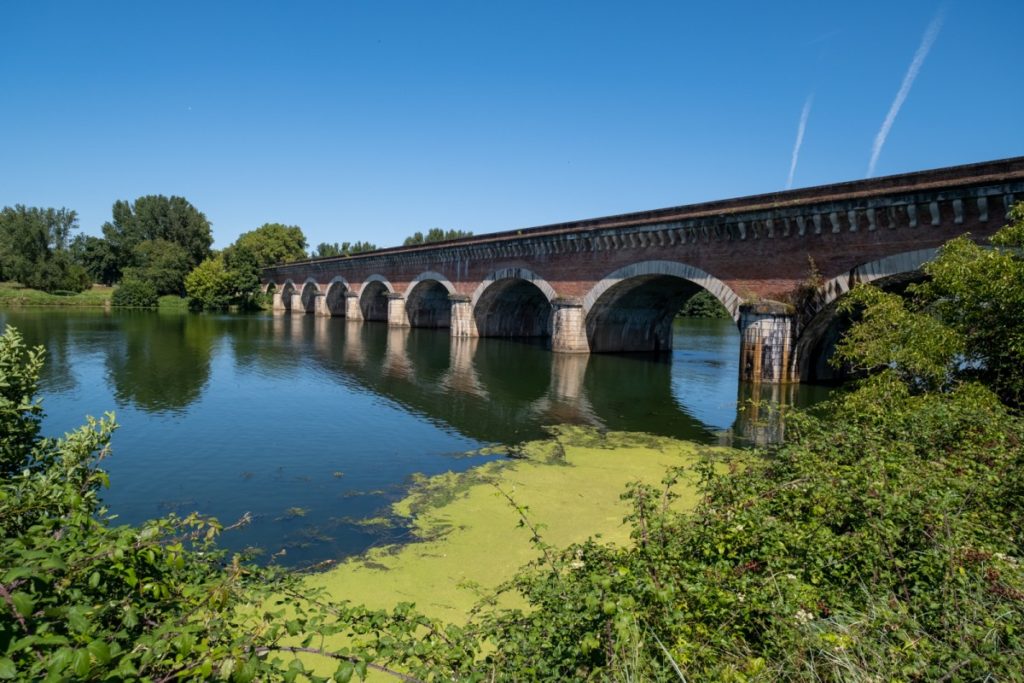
[
  {"x": 100, "y": 651},
  {"x": 23, "y": 603},
  {"x": 77, "y": 619},
  {"x": 80, "y": 663},
  {"x": 7, "y": 669},
  {"x": 344, "y": 672}
]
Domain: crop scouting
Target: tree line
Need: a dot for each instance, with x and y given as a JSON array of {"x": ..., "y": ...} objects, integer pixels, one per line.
[{"x": 157, "y": 246}]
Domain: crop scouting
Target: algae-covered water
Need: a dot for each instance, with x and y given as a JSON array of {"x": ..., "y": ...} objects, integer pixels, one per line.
[
  {"x": 313, "y": 425},
  {"x": 474, "y": 529}
]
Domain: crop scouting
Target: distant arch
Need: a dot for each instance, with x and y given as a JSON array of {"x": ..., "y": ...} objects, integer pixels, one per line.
[
  {"x": 426, "y": 300},
  {"x": 513, "y": 302},
  {"x": 334, "y": 300},
  {"x": 310, "y": 291},
  {"x": 287, "y": 294},
  {"x": 373, "y": 298},
  {"x": 632, "y": 308}
]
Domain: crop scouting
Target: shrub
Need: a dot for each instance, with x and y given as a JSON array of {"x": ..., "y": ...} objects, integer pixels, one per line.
[
  {"x": 136, "y": 293},
  {"x": 210, "y": 285}
]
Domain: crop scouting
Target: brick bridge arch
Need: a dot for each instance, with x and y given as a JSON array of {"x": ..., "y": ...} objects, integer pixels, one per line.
[
  {"x": 513, "y": 302},
  {"x": 632, "y": 308},
  {"x": 573, "y": 281},
  {"x": 821, "y": 325},
  {"x": 427, "y": 302},
  {"x": 335, "y": 296}
]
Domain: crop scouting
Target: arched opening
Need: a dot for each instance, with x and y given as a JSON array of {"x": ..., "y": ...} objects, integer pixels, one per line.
[
  {"x": 636, "y": 314},
  {"x": 513, "y": 307},
  {"x": 632, "y": 308},
  {"x": 335, "y": 299},
  {"x": 310, "y": 291},
  {"x": 817, "y": 343},
  {"x": 427, "y": 305},
  {"x": 287, "y": 294},
  {"x": 373, "y": 301}
]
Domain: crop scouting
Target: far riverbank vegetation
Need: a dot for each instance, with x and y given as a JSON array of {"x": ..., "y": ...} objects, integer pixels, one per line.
[
  {"x": 881, "y": 541},
  {"x": 151, "y": 250}
]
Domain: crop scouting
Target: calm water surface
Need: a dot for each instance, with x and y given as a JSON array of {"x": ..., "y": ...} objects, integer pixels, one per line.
[{"x": 311, "y": 423}]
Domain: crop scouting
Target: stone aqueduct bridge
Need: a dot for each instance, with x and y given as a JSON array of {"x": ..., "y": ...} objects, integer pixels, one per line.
[{"x": 614, "y": 284}]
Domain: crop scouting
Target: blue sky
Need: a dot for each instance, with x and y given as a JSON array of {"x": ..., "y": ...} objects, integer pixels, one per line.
[{"x": 369, "y": 121}]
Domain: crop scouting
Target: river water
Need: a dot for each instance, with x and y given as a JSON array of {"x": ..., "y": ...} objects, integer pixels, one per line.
[{"x": 312, "y": 424}]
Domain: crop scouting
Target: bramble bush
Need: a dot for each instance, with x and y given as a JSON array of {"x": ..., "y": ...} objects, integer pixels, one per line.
[{"x": 82, "y": 599}]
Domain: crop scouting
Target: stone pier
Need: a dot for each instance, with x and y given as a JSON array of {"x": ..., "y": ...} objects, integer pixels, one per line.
[
  {"x": 396, "y": 310},
  {"x": 352, "y": 311},
  {"x": 767, "y": 349},
  {"x": 463, "y": 324},
  {"x": 568, "y": 326}
]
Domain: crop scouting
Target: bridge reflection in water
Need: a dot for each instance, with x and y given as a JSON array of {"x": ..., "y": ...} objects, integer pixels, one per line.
[{"x": 495, "y": 390}]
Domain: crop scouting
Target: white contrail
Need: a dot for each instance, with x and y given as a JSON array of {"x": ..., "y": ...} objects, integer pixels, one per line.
[
  {"x": 799, "y": 138},
  {"x": 930, "y": 35}
]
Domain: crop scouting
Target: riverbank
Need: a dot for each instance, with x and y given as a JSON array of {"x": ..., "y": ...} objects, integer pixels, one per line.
[
  {"x": 14, "y": 294},
  {"x": 467, "y": 533}
]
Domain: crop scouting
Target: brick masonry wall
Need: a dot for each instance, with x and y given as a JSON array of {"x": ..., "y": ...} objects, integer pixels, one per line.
[{"x": 753, "y": 247}]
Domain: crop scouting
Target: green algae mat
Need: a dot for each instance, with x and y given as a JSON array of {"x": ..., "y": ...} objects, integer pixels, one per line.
[{"x": 469, "y": 536}]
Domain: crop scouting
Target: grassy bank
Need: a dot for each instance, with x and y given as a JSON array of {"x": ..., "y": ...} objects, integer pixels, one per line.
[
  {"x": 469, "y": 536},
  {"x": 14, "y": 294}
]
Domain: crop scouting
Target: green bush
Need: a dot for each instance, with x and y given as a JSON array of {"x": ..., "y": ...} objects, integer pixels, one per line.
[
  {"x": 81, "y": 599},
  {"x": 880, "y": 543},
  {"x": 136, "y": 293},
  {"x": 210, "y": 286}
]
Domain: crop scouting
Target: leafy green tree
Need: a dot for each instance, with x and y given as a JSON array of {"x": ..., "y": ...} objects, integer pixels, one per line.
[
  {"x": 273, "y": 243},
  {"x": 95, "y": 255},
  {"x": 267, "y": 245},
  {"x": 965, "y": 322},
  {"x": 156, "y": 217},
  {"x": 435, "y": 235},
  {"x": 328, "y": 249},
  {"x": 162, "y": 263},
  {"x": 34, "y": 249},
  {"x": 211, "y": 285}
]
